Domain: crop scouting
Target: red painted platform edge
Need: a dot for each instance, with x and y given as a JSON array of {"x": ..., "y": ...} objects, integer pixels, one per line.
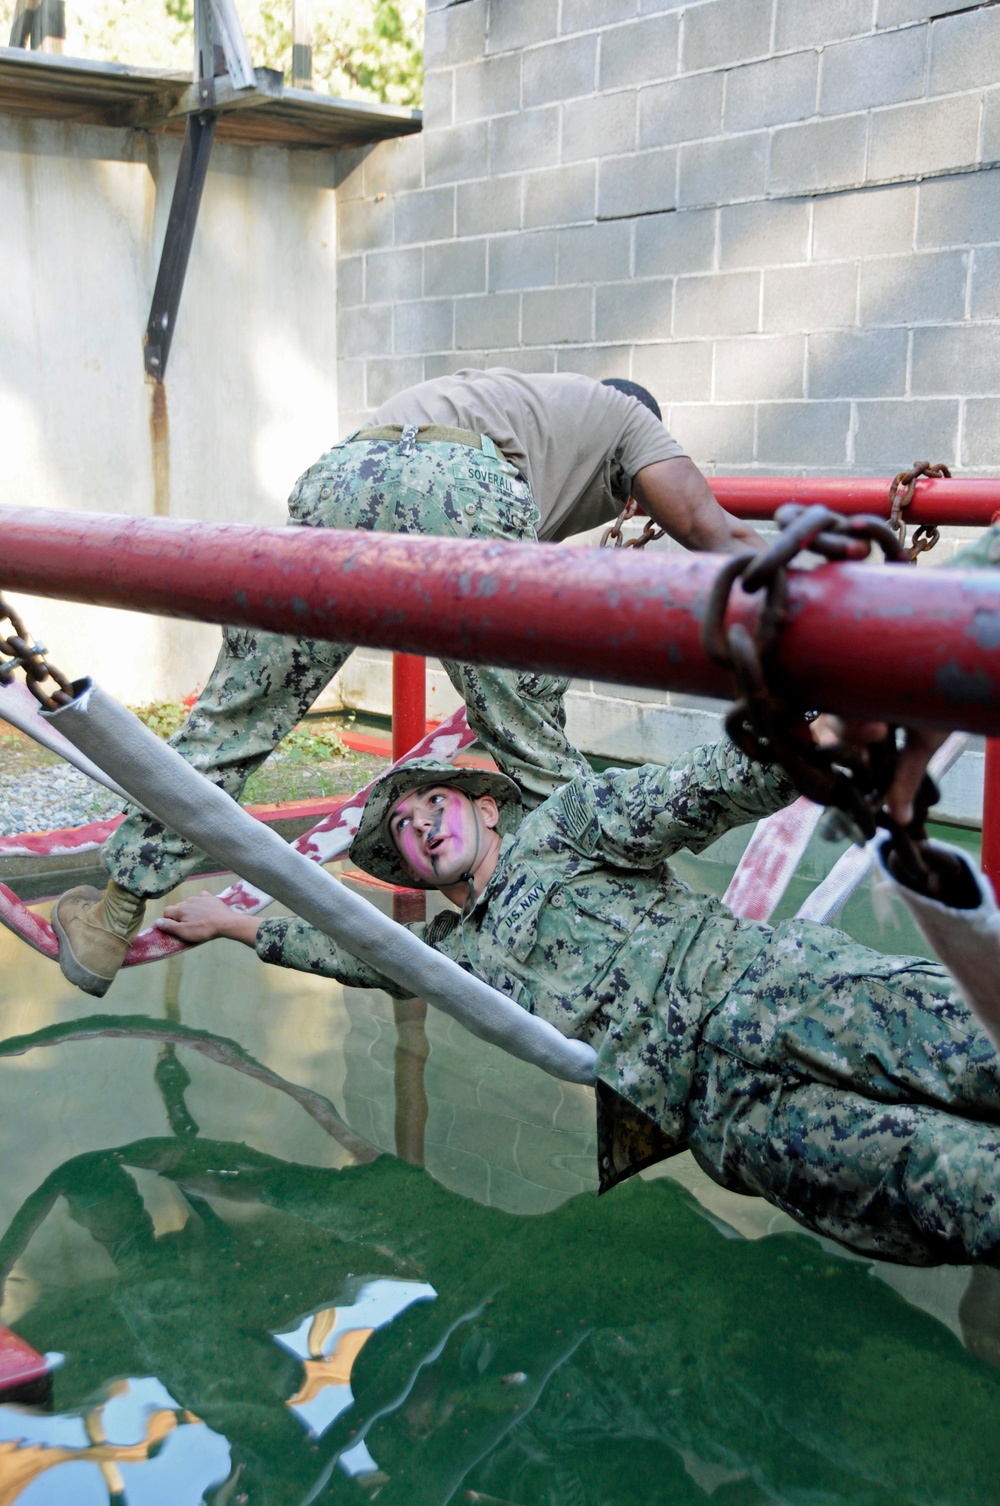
[{"x": 18, "y": 1361}]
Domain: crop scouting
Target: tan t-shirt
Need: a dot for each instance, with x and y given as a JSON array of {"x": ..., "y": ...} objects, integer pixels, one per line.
[{"x": 577, "y": 444}]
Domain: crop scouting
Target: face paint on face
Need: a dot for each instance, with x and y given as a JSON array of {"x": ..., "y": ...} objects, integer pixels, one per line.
[{"x": 436, "y": 834}]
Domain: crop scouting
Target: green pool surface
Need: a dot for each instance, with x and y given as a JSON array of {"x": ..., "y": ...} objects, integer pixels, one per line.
[{"x": 250, "y": 1311}]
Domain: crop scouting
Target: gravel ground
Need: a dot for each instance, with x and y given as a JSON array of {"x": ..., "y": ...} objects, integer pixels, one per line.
[{"x": 48, "y": 799}]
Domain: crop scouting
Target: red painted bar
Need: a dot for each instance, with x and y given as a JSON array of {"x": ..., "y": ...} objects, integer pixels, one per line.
[
  {"x": 991, "y": 813},
  {"x": 937, "y": 500},
  {"x": 916, "y": 646},
  {"x": 409, "y": 703}
]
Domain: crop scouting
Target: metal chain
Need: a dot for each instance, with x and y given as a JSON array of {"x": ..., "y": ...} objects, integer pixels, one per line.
[
  {"x": 850, "y": 779},
  {"x": 19, "y": 650},
  {"x": 614, "y": 537},
  {"x": 901, "y": 490}
]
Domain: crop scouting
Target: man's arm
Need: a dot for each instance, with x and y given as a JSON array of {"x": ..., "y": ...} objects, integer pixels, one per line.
[{"x": 676, "y": 495}]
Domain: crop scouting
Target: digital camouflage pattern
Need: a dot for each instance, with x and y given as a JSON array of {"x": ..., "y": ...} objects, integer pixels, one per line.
[
  {"x": 263, "y": 683},
  {"x": 793, "y": 1062}
]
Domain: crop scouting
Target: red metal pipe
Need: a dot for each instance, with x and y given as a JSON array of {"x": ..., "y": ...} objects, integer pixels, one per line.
[
  {"x": 936, "y": 500},
  {"x": 991, "y": 813},
  {"x": 409, "y": 702},
  {"x": 919, "y": 647}
]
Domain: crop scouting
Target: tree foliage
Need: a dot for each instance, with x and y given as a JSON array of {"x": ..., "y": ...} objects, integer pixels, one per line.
[{"x": 371, "y": 49}]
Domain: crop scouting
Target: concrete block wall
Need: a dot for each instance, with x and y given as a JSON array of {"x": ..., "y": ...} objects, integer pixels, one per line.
[{"x": 780, "y": 215}]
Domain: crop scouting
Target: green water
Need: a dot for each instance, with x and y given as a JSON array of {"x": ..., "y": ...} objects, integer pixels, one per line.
[{"x": 186, "y": 1223}]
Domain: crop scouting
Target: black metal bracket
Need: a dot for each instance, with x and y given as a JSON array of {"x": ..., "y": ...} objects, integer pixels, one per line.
[{"x": 220, "y": 52}]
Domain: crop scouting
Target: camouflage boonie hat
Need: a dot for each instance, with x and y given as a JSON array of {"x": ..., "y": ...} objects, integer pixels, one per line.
[{"x": 374, "y": 850}]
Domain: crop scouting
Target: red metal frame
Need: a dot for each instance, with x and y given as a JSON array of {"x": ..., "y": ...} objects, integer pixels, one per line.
[{"x": 943, "y": 501}]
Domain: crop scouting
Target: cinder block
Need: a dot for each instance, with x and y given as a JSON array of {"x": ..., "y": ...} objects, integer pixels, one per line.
[
  {"x": 387, "y": 376},
  {"x": 857, "y": 363},
  {"x": 439, "y": 98},
  {"x": 529, "y": 139},
  {"x": 900, "y": 12},
  {"x": 960, "y": 211},
  {"x": 455, "y": 34},
  {"x": 817, "y": 23},
  {"x": 559, "y": 316},
  {"x": 723, "y": 171},
  {"x": 457, "y": 154},
  {"x": 638, "y": 184},
  {"x": 427, "y": 215},
  {"x": 991, "y": 126},
  {"x": 489, "y": 206},
  {"x": 633, "y": 310},
  {"x": 772, "y": 92},
  {"x": 425, "y": 325},
  {"x": 965, "y": 50},
  {"x": 675, "y": 371},
  {"x": 925, "y": 288},
  {"x": 587, "y": 15},
  {"x": 455, "y": 267},
  {"x": 871, "y": 222},
  {"x": 605, "y": 126},
  {"x": 818, "y": 155},
  {"x": 491, "y": 86},
  {"x": 639, "y": 52},
  {"x": 524, "y": 358},
  {"x": 446, "y": 363},
  {"x": 680, "y": 242},
  {"x": 726, "y": 303},
  {"x": 957, "y": 358},
  {"x": 515, "y": 24},
  {"x": 759, "y": 367},
  {"x": 683, "y": 109},
  {"x": 893, "y": 434},
  {"x": 366, "y": 330},
  {"x": 881, "y": 69},
  {"x": 560, "y": 195},
  {"x": 597, "y": 361},
  {"x": 364, "y": 225},
  {"x": 723, "y": 32},
  {"x": 985, "y": 301},
  {"x": 394, "y": 167},
  {"x": 595, "y": 253},
  {"x": 810, "y": 297},
  {"x": 391, "y": 275},
  {"x": 350, "y": 280},
  {"x": 522, "y": 261},
  {"x": 981, "y": 432},
  {"x": 714, "y": 433},
  {"x": 560, "y": 70},
  {"x": 351, "y": 386},
  {"x": 766, "y": 234},
  {"x": 927, "y": 137},
  {"x": 806, "y": 434}
]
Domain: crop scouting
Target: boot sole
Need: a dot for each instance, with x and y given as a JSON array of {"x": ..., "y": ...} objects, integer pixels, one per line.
[{"x": 91, "y": 983}]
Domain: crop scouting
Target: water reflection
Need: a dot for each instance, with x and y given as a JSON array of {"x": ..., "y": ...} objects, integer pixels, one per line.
[{"x": 616, "y": 1350}]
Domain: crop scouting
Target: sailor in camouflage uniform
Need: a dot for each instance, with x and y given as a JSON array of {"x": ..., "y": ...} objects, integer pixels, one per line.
[
  {"x": 482, "y": 454},
  {"x": 853, "y": 1090}
]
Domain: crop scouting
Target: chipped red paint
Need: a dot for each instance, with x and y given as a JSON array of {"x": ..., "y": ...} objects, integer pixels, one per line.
[
  {"x": 935, "y": 500},
  {"x": 917, "y": 646}
]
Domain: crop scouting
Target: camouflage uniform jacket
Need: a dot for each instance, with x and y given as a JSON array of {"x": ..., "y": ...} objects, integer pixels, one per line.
[{"x": 584, "y": 923}]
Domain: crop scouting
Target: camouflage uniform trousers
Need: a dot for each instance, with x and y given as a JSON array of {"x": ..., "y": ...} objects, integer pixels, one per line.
[
  {"x": 263, "y": 683},
  {"x": 855, "y": 1091}
]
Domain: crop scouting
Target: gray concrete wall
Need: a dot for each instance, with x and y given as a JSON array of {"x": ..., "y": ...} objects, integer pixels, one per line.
[
  {"x": 780, "y": 215},
  {"x": 250, "y": 396}
]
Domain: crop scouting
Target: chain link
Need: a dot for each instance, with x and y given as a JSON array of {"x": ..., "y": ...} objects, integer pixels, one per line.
[
  {"x": 614, "y": 538},
  {"x": 850, "y": 779},
  {"x": 901, "y": 490},
  {"x": 18, "y": 650}
]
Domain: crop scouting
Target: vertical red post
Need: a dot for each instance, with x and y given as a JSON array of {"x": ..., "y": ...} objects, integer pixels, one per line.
[
  {"x": 991, "y": 813},
  {"x": 409, "y": 702}
]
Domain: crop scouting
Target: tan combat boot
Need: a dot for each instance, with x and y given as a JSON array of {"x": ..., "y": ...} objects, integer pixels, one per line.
[{"x": 95, "y": 928}]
